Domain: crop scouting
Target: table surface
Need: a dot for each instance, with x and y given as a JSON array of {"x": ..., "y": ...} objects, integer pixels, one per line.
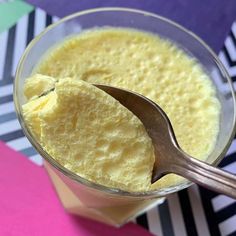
[{"x": 210, "y": 20}]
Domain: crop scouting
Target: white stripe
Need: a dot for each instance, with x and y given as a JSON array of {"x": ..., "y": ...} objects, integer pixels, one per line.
[
  {"x": 55, "y": 19},
  {"x": 19, "y": 144},
  {"x": 234, "y": 85},
  {"x": 6, "y": 89},
  {"x": 232, "y": 148},
  {"x": 3, "y": 45},
  {"x": 234, "y": 29},
  {"x": 37, "y": 159},
  {"x": 224, "y": 60},
  {"x": 221, "y": 201},
  {"x": 198, "y": 212},
  {"x": 228, "y": 226},
  {"x": 176, "y": 215},
  {"x": 9, "y": 126},
  {"x": 154, "y": 221},
  {"x": 20, "y": 41},
  {"x": 230, "y": 69},
  {"x": 40, "y": 19},
  {"x": 231, "y": 48},
  {"x": 231, "y": 168},
  {"x": 6, "y": 108}
]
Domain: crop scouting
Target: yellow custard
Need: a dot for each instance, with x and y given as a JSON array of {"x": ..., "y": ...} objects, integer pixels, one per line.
[
  {"x": 151, "y": 66},
  {"x": 92, "y": 134}
]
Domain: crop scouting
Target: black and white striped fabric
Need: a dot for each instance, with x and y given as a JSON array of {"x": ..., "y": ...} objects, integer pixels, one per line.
[
  {"x": 194, "y": 211},
  {"x": 13, "y": 43}
]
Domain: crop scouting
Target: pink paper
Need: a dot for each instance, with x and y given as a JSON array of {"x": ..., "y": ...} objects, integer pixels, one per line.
[{"x": 29, "y": 205}]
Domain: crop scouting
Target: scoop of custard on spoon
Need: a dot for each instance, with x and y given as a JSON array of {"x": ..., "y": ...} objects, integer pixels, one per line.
[{"x": 170, "y": 158}]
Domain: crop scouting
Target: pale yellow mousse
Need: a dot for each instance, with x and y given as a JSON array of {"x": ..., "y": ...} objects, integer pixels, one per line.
[
  {"x": 146, "y": 64},
  {"x": 92, "y": 134}
]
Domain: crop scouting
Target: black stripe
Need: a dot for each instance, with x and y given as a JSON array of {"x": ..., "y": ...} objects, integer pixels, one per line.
[
  {"x": 232, "y": 234},
  {"x": 7, "y": 81},
  {"x": 7, "y": 117},
  {"x": 206, "y": 197},
  {"x": 5, "y": 99},
  {"x": 227, "y": 56},
  {"x": 228, "y": 160},
  {"x": 48, "y": 20},
  {"x": 226, "y": 213},
  {"x": 210, "y": 194},
  {"x": 228, "y": 95},
  {"x": 9, "y": 54},
  {"x": 233, "y": 37},
  {"x": 187, "y": 213},
  {"x": 12, "y": 135},
  {"x": 165, "y": 219},
  {"x": 30, "y": 30},
  {"x": 142, "y": 220},
  {"x": 29, "y": 151},
  {"x": 233, "y": 78}
]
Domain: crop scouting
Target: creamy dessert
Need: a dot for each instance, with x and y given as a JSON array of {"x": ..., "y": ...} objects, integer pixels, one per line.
[
  {"x": 92, "y": 134},
  {"x": 135, "y": 60}
]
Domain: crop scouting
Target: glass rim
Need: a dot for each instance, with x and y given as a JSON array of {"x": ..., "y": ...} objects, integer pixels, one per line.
[{"x": 115, "y": 191}]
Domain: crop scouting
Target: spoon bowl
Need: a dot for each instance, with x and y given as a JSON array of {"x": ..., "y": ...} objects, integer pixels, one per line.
[{"x": 169, "y": 157}]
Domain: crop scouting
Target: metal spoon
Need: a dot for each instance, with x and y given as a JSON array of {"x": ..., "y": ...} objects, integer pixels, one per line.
[{"x": 169, "y": 156}]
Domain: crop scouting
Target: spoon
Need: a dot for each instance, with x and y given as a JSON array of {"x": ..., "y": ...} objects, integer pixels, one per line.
[{"x": 169, "y": 157}]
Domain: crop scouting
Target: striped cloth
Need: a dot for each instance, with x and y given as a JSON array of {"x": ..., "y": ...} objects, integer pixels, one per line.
[{"x": 194, "y": 211}]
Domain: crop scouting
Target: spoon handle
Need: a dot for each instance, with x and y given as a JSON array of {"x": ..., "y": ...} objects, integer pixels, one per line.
[{"x": 205, "y": 175}]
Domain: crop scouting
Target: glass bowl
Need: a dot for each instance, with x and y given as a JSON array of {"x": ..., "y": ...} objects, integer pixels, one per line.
[{"x": 92, "y": 194}]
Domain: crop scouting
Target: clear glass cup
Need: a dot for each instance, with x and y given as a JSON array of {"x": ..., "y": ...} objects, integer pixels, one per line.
[{"x": 81, "y": 196}]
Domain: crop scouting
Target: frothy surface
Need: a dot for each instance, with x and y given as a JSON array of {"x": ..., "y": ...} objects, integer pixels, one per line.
[{"x": 151, "y": 66}]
